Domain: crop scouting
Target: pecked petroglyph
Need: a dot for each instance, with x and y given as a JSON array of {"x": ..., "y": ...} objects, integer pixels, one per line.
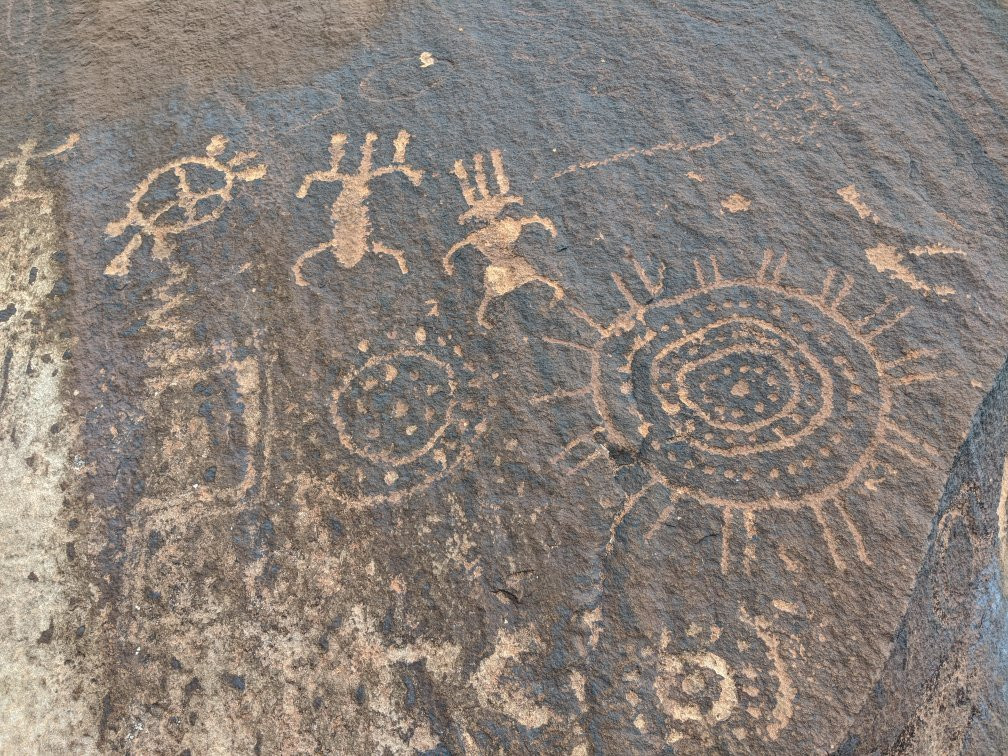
[
  {"x": 408, "y": 415},
  {"x": 749, "y": 379},
  {"x": 498, "y": 236},
  {"x": 735, "y": 203},
  {"x": 851, "y": 196},
  {"x": 889, "y": 260},
  {"x": 715, "y": 684},
  {"x": 200, "y": 189},
  {"x": 351, "y": 218},
  {"x": 182, "y": 195},
  {"x": 19, "y": 162},
  {"x": 796, "y": 105},
  {"x": 646, "y": 152}
]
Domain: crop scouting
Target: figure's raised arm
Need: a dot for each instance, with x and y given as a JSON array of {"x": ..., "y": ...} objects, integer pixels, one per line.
[{"x": 337, "y": 149}]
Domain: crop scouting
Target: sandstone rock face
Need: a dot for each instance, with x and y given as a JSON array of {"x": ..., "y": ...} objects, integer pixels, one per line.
[{"x": 503, "y": 377}]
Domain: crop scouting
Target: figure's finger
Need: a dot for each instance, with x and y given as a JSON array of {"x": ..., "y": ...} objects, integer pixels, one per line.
[
  {"x": 498, "y": 163},
  {"x": 463, "y": 178},
  {"x": 401, "y": 140},
  {"x": 481, "y": 182}
]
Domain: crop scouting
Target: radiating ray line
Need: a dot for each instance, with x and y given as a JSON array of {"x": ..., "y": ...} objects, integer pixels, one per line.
[
  {"x": 584, "y": 438},
  {"x": 779, "y": 268},
  {"x": 919, "y": 461},
  {"x": 566, "y": 343},
  {"x": 852, "y": 528},
  {"x": 654, "y": 287},
  {"x": 764, "y": 264},
  {"x": 726, "y": 526},
  {"x": 662, "y": 519},
  {"x": 827, "y": 282},
  {"x": 908, "y": 357},
  {"x": 828, "y": 537},
  {"x": 872, "y": 335},
  {"x": 584, "y": 316},
  {"x": 842, "y": 292},
  {"x": 631, "y": 502},
  {"x": 875, "y": 313},
  {"x": 749, "y": 552},
  {"x": 911, "y": 439},
  {"x": 717, "y": 272},
  {"x": 700, "y": 277},
  {"x": 625, "y": 291},
  {"x": 918, "y": 378},
  {"x": 597, "y": 454}
]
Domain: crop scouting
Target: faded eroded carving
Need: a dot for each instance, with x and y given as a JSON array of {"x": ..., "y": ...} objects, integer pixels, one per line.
[
  {"x": 796, "y": 104},
  {"x": 18, "y": 164},
  {"x": 181, "y": 195},
  {"x": 351, "y": 217},
  {"x": 497, "y": 238}
]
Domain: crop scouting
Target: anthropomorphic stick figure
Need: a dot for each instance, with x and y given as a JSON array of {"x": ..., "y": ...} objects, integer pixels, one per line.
[
  {"x": 497, "y": 239},
  {"x": 190, "y": 206},
  {"x": 351, "y": 216},
  {"x": 19, "y": 160}
]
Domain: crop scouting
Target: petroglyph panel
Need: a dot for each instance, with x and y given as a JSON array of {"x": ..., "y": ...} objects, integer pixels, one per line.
[{"x": 579, "y": 378}]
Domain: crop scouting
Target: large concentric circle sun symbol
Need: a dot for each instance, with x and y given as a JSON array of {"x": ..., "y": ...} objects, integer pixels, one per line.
[
  {"x": 749, "y": 394},
  {"x": 407, "y": 415}
]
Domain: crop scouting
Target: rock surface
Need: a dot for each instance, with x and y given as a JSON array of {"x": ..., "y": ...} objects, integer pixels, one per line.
[
  {"x": 944, "y": 688},
  {"x": 484, "y": 377}
]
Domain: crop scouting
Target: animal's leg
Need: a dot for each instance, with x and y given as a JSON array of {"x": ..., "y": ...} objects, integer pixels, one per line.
[
  {"x": 481, "y": 312},
  {"x": 538, "y": 220},
  {"x": 558, "y": 292},
  {"x": 381, "y": 249},
  {"x": 447, "y": 262},
  {"x": 299, "y": 263}
]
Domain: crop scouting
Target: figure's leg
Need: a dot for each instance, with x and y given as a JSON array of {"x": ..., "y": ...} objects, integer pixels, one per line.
[
  {"x": 447, "y": 262},
  {"x": 539, "y": 221},
  {"x": 381, "y": 249},
  {"x": 558, "y": 292},
  {"x": 481, "y": 312},
  {"x": 299, "y": 263}
]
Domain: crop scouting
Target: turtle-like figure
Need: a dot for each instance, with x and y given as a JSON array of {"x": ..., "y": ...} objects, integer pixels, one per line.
[{"x": 200, "y": 187}]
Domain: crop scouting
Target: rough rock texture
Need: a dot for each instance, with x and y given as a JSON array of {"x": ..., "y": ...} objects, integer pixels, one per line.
[
  {"x": 484, "y": 377},
  {"x": 944, "y": 688}
]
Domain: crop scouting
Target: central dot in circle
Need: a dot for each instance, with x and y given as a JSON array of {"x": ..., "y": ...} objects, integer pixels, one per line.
[
  {"x": 395, "y": 405},
  {"x": 741, "y": 388},
  {"x": 737, "y": 387}
]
